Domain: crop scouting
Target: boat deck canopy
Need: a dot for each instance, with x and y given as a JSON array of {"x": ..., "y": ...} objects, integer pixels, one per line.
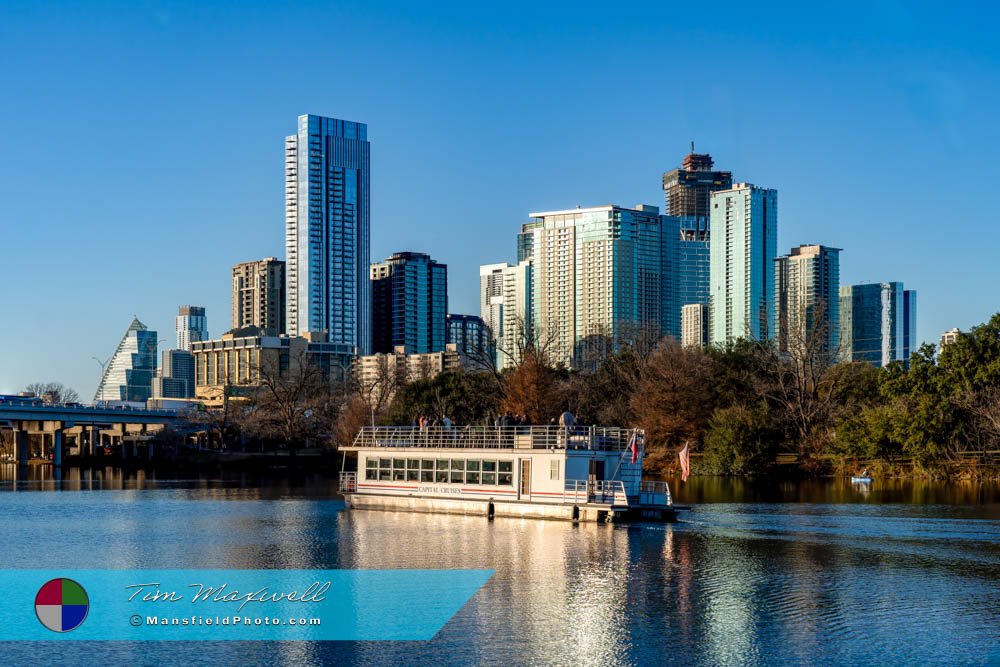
[{"x": 602, "y": 438}]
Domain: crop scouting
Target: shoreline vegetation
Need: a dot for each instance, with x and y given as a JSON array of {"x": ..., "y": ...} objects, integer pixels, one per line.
[{"x": 745, "y": 408}]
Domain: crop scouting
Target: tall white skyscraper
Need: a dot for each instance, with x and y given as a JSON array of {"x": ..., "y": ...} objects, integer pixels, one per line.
[
  {"x": 516, "y": 325},
  {"x": 744, "y": 223},
  {"x": 327, "y": 231},
  {"x": 191, "y": 326}
]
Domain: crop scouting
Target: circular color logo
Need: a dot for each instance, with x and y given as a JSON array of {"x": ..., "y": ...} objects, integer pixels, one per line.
[{"x": 61, "y": 605}]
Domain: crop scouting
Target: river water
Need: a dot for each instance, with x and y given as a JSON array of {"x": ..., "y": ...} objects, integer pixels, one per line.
[{"x": 758, "y": 573}]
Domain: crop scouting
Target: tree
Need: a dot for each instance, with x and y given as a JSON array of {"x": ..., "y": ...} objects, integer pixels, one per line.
[{"x": 53, "y": 392}]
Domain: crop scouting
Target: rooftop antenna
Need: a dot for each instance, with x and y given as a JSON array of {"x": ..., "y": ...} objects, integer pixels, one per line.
[{"x": 692, "y": 147}]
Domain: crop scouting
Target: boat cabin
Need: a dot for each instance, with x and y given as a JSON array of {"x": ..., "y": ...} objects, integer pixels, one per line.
[{"x": 581, "y": 473}]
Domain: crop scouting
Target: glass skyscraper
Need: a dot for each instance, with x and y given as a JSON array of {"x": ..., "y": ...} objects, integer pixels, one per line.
[
  {"x": 128, "y": 376},
  {"x": 877, "y": 323},
  {"x": 410, "y": 303},
  {"x": 744, "y": 229},
  {"x": 687, "y": 193},
  {"x": 191, "y": 326},
  {"x": 327, "y": 231}
]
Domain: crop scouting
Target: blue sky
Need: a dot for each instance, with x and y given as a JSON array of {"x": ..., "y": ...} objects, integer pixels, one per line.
[{"x": 141, "y": 143}]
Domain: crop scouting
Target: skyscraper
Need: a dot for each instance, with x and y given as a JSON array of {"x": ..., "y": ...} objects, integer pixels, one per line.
[
  {"x": 877, "y": 322},
  {"x": 807, "y": 300},
  {"x": 259, "y": 296},
  {"x": 128, "y": 375},
  {"x": 694, "y": 325},
  {"x": 191, "y": 326},
  {"x": 327, "y": 231},
  {"x": 688, "y": 190},
  {"x": 744, "y": 223},
  {"x": 410, "y": 303},
  {"x": 597, "y": 274},
  {"x": 491, "y": 299},
  {"x": 468, "y": 334},
  {"x": 175, "y": 378},
  {"x": 687, "y": 193},
  {"x": 517, "y": 329}
]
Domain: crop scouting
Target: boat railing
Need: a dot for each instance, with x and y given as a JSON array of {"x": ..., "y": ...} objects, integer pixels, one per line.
[
  {"x": 654, "y": 493},
  {"x": 605, "y": 492},
  {"x": 348, "y": 482},
  {"x": 498, "y": 437}
]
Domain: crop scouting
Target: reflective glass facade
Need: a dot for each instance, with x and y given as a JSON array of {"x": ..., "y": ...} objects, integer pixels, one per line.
[
  {"x": 410, "y": 303},
  {"x": 744, "y": 244},
  {"x": 327, "y": 231},
  {"x": 128, "y": 375},
  {"x": 468, "y": 334},
  {"x": 877, "y": 323}
]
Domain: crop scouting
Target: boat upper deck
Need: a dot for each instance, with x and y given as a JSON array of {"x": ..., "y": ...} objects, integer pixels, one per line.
[{"x": 600, "y": 438}]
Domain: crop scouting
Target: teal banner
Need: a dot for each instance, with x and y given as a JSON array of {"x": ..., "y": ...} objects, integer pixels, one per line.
[{"x": 219, "y": 605}]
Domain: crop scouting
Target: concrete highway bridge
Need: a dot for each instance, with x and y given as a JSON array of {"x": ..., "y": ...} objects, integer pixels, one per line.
[{"x": 86, "y": 427}]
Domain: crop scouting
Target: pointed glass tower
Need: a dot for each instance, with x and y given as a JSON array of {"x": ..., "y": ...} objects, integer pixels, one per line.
[{"x": 129, "y": 374}]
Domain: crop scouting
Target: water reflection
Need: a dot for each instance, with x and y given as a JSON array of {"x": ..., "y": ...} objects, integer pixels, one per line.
[{"x": 849, "y": 582}]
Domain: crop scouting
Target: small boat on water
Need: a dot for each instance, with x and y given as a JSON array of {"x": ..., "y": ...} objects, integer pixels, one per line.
[
  {"x": 576, "y": 473},
  {"x": 861, "y": 480}
]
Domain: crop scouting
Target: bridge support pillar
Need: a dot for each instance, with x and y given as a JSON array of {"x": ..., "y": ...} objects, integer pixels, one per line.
[
  {"x": 92, "y": 445},
  {"x": 57, "y": 447},
  {"x": 21, "y": 447}
]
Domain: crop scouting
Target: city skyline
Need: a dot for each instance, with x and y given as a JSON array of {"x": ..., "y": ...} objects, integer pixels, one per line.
[{"x": 870, "y": 110}]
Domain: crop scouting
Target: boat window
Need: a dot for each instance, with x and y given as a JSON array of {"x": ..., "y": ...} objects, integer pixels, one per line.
[
  {"x": 399, "y": 464},
  {"x": 457, "y": 472},
  {"x": 472, "y": 477},
  {"x": 489, "y": 478},
  {"x": 489, "y": 466},
  {"x": 427, "y": 464},
  {"x": 441, "y": 473},
  {"x": 553, "y": 469},
  {"x": 384, "y": 463},
  {"x": 371, "y": 469},
  {"x": 412, "y": 475},
  {"x": 458, "y": 464},
  {"x": 472, "y": 465},
  {"x": 506, "y": 475},
  {"x": 413, "y": 464},
  {"x": 426, "y": 475}
]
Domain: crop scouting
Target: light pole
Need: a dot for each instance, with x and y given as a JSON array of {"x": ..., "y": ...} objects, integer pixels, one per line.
[{"x": 102, "y": 364}]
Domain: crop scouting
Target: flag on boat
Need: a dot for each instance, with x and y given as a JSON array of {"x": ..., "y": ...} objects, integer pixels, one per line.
[
  {"x": 633, "y": 445},
  {"x": 685, "y": 457}
]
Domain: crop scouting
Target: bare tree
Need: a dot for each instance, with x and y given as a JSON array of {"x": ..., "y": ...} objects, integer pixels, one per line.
[
  {"x": 801, "y": 379},
  {"x": 53, "y": 392}
]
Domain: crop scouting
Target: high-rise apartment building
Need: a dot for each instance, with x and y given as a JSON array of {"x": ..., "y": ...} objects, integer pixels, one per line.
[
  {"x": 327, "y": 231},
  {"x": 694, "y": 325},
  {"x": 128, "y": 375},
  {"x": 259, "y": 296},
  {"x": 744, "y": 222},
  {"x": 491, "y": 299},
  {"x": 468, "y": 334},
  {"x": 190, "y": 325},
  {"x": 687, "y": 193},
  {"x": 807, "y": 300},
  {"x": 175, "y": 378},
  {"x": 516, "y": 327},
  {"x": 949, "y": 337},
  {"x": 877, "y": 322},
  {"x": 597, "y": 274},
  {"x": 410, "y": 303}
]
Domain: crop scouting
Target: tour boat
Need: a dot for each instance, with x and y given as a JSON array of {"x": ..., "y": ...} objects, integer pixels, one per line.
[
  {"x": 861, "y": 480},
  {"x": 582, "y": 473}
]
